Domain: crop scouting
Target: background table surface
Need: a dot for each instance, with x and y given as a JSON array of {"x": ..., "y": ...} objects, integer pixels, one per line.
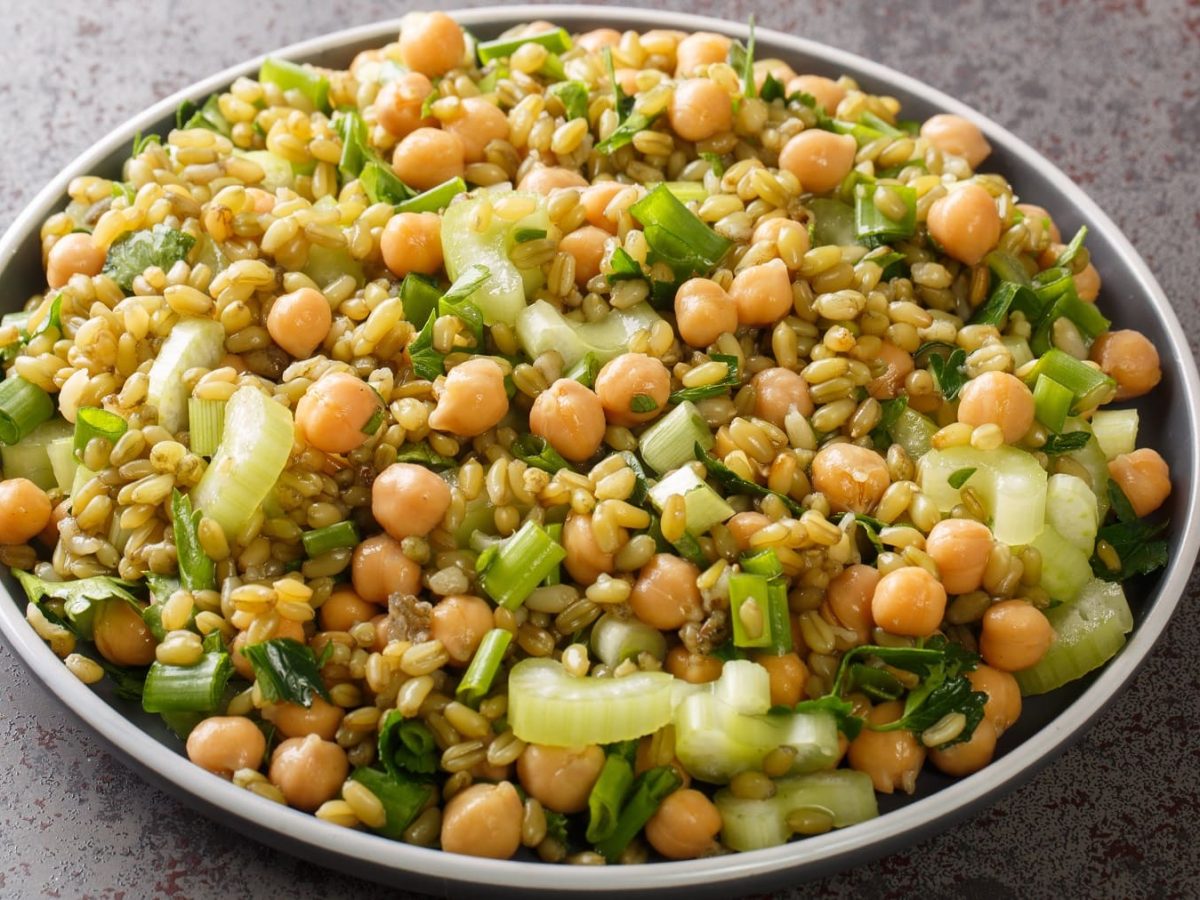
[{"x": 1107, "y": 90}]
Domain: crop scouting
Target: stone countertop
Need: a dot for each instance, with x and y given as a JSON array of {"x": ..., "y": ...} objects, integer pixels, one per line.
[{"x": 1107, "y": 90}]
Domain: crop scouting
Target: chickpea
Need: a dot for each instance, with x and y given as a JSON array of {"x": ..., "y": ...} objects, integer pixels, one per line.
[
  {"x": 684, "y": 826},
  {"x": 483, "y": 820},
  {"x": 1144, "y": 477},
  {"x": 827, "y": 92},
  {"x": 334, "y": 412},
  {"x": 777, "y": 391},
  {"x": 779, "y": 229},
  {"x": 745, "y": 524},
  {"x": 595, "y": 201},
  {"x": 472, "y": 400},
  {"x": 702, "y": 48},
  {"x": 224, "y": 744},
  {"x": 700, "y": 109},
  {"x": 73, "y": 254},
  {"x": 1039, "y": 213},
  {"x": 398, "y": 105},
  {"x": 121, "y": 636},
  {"x": 298, "y": 322},
  {"x": 1003, "y": 706},
  {"x": 544, "y": 179},
  {"x": 852, "y": 478},
  {"x": 694, "y": 668},
  {"x": 970, "y": 755},
  {"x": 1087, "y": 283},
  {"x": 665, "y": 594},
  {"x": 849, "y": 595},
  {"x": 1130, "y": 359},
  {"x": 958, "y": 136},
  {"x": 308, "y": 771},
  {"x": 481, "y": 123},
  {"x": 431, "y": 43},
  {"x": 295, "y": 721},
  {"x": 380, "y": 569},
  {"x": 820, "y": 159},
  {"x": 997, "y": 398},
  {"x": 427, "y": 157},
  {"x": 49, "y": 535},
  {"x": 24, "y": 510},
  {"x": 1015, "y": 635},
  {"x": 585, "y": 560},
  {"x": 626, "y": 377},
  {"x": 960, "y": 547},
  {"x": 344, "y": 609},
  {"x": 596, "y": 40},
  {"x": 788, "y": 675},
  {"x": 586, "y": 246},
  {"x": 460, "y": 621},
  {"x": 408, "y": 500},
  {"x": 285, "y": 628},
  {"x": 893, "y": 759},
  {"x": 627, "y": 79},
  {"x": 898, "y": 365},
  {"x": 763, "y": 293},
  {"x": 965, "y": 223},
  {"x": 570, "y": 417},
  {"x": 909, "y": 601},
  {"x": 560, "y": 778},
  {"x": 704, "y": 312},
  {"x": 412, "y": 242}
]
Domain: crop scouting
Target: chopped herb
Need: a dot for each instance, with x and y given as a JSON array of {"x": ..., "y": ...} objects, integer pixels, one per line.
[
  {"x": 891, "y": 411},
  {"x": 586, "y": 370},
  {"x": 196, "y": 571},
  {"x": 1008, "y": 296},
  {"x": 1057, "y": 444},
  {"x": 714, "y": 160},
  {"x": 286, "y": 671},
  {"x": 1071, "y": 251},
  {"x": 142, "y": 141},
  {"x": 136, "y": 251},
  {"x": 629, "y": 122},
  {"x": 419, "y": 296},
  {"x": 949, "y": 372},
  {"x": 455, "y": 303},
  {"x": 960, "y": 477},
  {"x": 523, "y": 235},
  {"x": 537, "y": 452},
  {"x": 406, "y": 746},
  {"x": 121, "y": 189},
  {"x": 208, "y": 115},
  {"x": 870, "y": 528},
  {"x": 735, "y": 484},
  {"x": 423, "y": 455},
  {"x": 624, "y": 266},
  {"x": 741, "y": 60},
  {"x": 1136, "y": 541},
  {"x": 773, "y": 89},
  {"x": 574, "y": 98},
  {"x": 427, "y": 363},
  {"x": 642, "y": 403}
]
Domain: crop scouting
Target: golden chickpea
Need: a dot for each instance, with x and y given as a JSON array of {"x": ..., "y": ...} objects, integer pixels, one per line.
[
  {"x": 472, "y": 399},
  {"x": 965, "y": 223},
  {"x": 298, "y": 322},
  {"x": 700, "y": 109},
  {"x": 898, "y": 365},
  {"x": 893, "y": 759},
  {"x": 481, "y": 123},
  {"x": 909, "y": 601},
  {"x": 544, "y": 179},
  {"x": 295, "y": 721},
  {"x": 852, "y": 478},
  {"x": 704, "y": 312},
  {"x": 849, "y": 595},
  {"x": 665, "y": 594},
  {"x": 49, "y": 535},
  {"x": 431, "y": 43},
  {"x": 308, "y": 771},
  {"x": 1003, "y": 706},
  {"x": 782, "y": 231},
  {"x": 380, "y": 569},
  {"x": 703, "y": 48},
  {"x": 997, "y": 398},
  {"x": 224, "y": 744},
  {"x": 586, "y": 246},
  {"x": 1087, "y": 283},
  {"x": 1014, "y": 635},
  {"x": 597, "y": 39},
  {"x": 743, "y": 525},
  {"x": 820, "y": 159},
  {"x": 485, "y": 771},
  {"x": 483, "y": 820},
  {"x": 412, "y": 242},
  {"x": 684, "y": 826},
  {"x": 596, "y": 200},
  {"x": 777, "y": 391},
  {"x": 763, "y": 293},
  {"x": 24, "y": 510},
  {"x": 1144, "y": 477},
  {"x": 73, "y": 254},
  {"x": 958, "y": 136},
  {"x": 398, "y": 105},
  {"x": 1130, "y": 359},
  {"x": 427, "y": 157},
  {"x": 333, "y": 413},
  {"x": 960, "y": 547},
  {"x": 585, "y": 560},
  {"x": 409, "y": 500},
  {"x": 121, "y": 636},
  {"x": 344, "y": 609},
  {"x": 560, "y": 778},
  {"x": 969, "y": 756},
  {"x": 460, "y": 621},
  {"x": 694, "y": 668},
  {"x": 627, "y": 377},
  {"x": 1039, "y": 213},
  {"x": 788, "y": 675},
  {"x": 570, "y": 417},
  {"x": 285, "y": 628},
  {"x": 827, "y": 92}
]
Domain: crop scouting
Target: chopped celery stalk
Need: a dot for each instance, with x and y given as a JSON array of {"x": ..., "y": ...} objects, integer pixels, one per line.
[
  {"x": 1116, "y": 431},
  {"x": 1071, "y": 510},
  {"x": 744, "y": 686},
  {"x": 23, "y": 407},
  {"x": 832, "y": 223},
  {"x": 913, "y": 432},
  {"x": 548, "y": 706},
  {"x": 1089, "y": 632},
  {"x": 197, "y": 688},
  {"x": 503, "y": 296},
  {"x": 510, "y": 571},
  {"x": 872, "y": 226},
  {"x": 1009, "y": 481},
  {"x": 402, "y": 799},
  {"x": 1090, "y": 386},
  {"x": 480, "y": 674},
  {"x": 556, "y": 41},
  {"x": 687, "y": 191},
  {"x": 1092, "y": 458},
  {"x": 670, "y": 442},
  {"x": 615, "y": 640},
  {"x": 541, "y": 327},
  {"x": 748, "y": 607},
  {"x": 63, "y": 463},
  {"x": 1019, "y": 348},
  {"x": 289, "y": 76},
  {"x": 254, "y": 449},
  {"x": 1065, "y": 568},
  {"x": 33, "y": 457},
  {"x": 757, "y": 824},
  {"x": 278, "y": 171},
  {"x": 1051, "y": 402},
  {"x": 193, "y": 343},
  {"x": 206, "y": 422},
  {"x": 331, "y": 537},
  {"x": 93, "y": 422},
  {"x": 325, "y": 265},
  {"x": 436, "y": 198},
  {"x": 704, "y": 506}
]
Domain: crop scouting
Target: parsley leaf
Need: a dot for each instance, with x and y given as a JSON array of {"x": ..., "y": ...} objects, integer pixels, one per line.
[
  {"x": 406, "y": 746},
  {"x": 732, "y": 483},
  {"x": 136, "y": 251},
  {"x": 286, "y": 671},
  {"x": 427, "y": 363},
  {"x": 79, "y": 596},
  {"x": 574, "y": 97},
  {"x": 642, "y": 403},
  {"x": 536, "y": 451},
  {"x": 960, "y": 477},
  {"x": 1057, "y": 444},
  {"x": 1135, "y": 541},
  {"x": 196, "y": 571},
  {"x": 423, "y": 455},
  {"x": 629, "y": 122},
  {"x": 949, "y": 373}
]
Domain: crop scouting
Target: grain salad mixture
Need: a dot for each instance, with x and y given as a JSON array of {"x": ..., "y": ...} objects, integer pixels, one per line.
[{"x": 612, "y": 445}]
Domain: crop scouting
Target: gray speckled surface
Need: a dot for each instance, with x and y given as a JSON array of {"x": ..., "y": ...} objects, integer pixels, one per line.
[{"x": 1105, "y": 89}]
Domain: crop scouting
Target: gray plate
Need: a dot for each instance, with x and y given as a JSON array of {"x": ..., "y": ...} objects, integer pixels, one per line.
[{"x": 1131, "y": 297}]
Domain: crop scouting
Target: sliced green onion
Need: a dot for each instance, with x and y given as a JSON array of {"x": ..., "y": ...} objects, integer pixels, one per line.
[
  {"x": 355, "y": 143},
  {"x": 1007, "y": 267},
  {"x": 615, "y": 640},
  {"x": 402, "y": 799},
  {"x": 1090, "y": 321},
  {"x": 748, "y": 608},
  {"x": 686, "y": 191},
  {"x": 779, "y": 616},
  {"x": 832, "y": 223},
  {"x": 406, "y": 745},
  {"x": 555, "y": 531},
  {"x": 511, "y": 573},
  {"x": 1090, "y": 386},
  {"x": 1072, "y": 249},
  {"x": 872, "y": 226},
  {"x": 648, "y": 791},
  {"x": 1051, "y": 402},
  {"x": 670, "y": 442},
  {"x": 485, "y": 665},
  {"x": 206, "y": 423},
  {"x": 288, "y": 76},
  {"x": 556, "y": 41},
  {"x": 198, "y": 688},
  {"x": 420, "y": 297},
  {"x": 436, "y": 198},
  {"x": 92, "y": 422},
  {"x": 382, "y": 185},
  {"x": 764, "y": 562},
  {"x": 196, "y": 571},
  {"x": 726, "y": 384},
  {"x": 1008, "y": 296},
  {"x": 608, "y": 796},
  {"x": 677, "y": 234},
  {"x": 23, "y": 407},
  {"x": 585, "y": 371},
  {"x": 862, "y": 134},
  {"x": 331, "y": 537}
]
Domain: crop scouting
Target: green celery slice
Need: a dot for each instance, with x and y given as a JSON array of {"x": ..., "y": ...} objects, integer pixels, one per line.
[
  {"x": 192, "y": 343},
  {"x": 1010, "y": 482},
  {"x": 757, "y": 824}
]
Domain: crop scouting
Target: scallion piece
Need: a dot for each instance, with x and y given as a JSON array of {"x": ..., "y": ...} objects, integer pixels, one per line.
[
  {"x": 555, "y": 530},
  {"x": 1007, "y": 267},
  {"x": 608, "y": 795},
  {"x": 93, "y": 422},
  {"x": 670, "y": 441},
  {"x": 1089, "y": 386},
  {"x": 676, "y": 234},
  {"x": 615, "y": 640},
  {"x": 874, "y": 227},
  {"x": 435, "y": 199},
  {"x": 485, "y": 665},
  {"x": 198, "y": 688},
  {"x": 402, "y": 799},
  {"x": 510, "y": 573},
  {"x": 1051, "y": 402},
  {"x": 1090, "y": 321},
  {"x": 331, "y": 537},
  {"x": 832, "y": 223},
  {"x": 649, "y": 790},
  {"x": 556, "y": 41},
  {"x": 748, "y": 608},
  {"x": 703, "y": 506},
  {"x": 23, "y": 407},
  {"x": 779, "y": 616},
  {"x": 1072, "y": 249},
  {"x": 686, "y": 191},
  {"x": 381, "y": 183},
  {"x": 1007, "y": 297},
  {"x": 206, "y": 421},
  {"x": 419, "y": 297},
  {"x": 289, "y": 76}
]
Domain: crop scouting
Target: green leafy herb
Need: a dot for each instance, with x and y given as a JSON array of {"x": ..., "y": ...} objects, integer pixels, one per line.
[
  {"x": 1057, "y": 444},
  {"x": 611, "y": 790},
  {"x": 949, "y": 372},
  {"x": 891, "y": 411},
  {"x": 121, "y": 189},
  {"x": 359, "y": 160},
  {"x": 455, "y": 303},
  {"x": 419, "y": 296},
  {"x": 196, "y": 571},
  {"x": 629, "y": 122},
  {"x": 717, "y": 389},
  {"x": 714, "y": 160},
  {"x": 136, "y": 251},
  {"x": 741, "y": 60},
  {"x": 624, "y": 266},
  {"x": 523, "y": 235},
  {"x": 536, "y": 451},
  {"x": 878, "y": 684},
  {"x": 870, "y": 528},
  {"x": 1008, "y": 296},
  {"x": 286, "y": 670},
  {"x": 773, "y": 89},
  {"x": 207, "y": 115},
  {"x": 586, "y": 370},
  {"x": 1071, "y": 251},
  {"x": 142, "y": 141},
  {"x": 642, "y": 403},
  {"x": 732, "y": 483},
  {"x": 1136, "y": 541},
  {"x": 574, "y": 98},
  {"x": 959, "y": 477},
  {"x": 382, "y": 184},
  {"x": 423, "y": 455},
  {"x": 406, "y": 746},
  {"x": 427, "y": 363},
  {"x": 402, "y": 798}
]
